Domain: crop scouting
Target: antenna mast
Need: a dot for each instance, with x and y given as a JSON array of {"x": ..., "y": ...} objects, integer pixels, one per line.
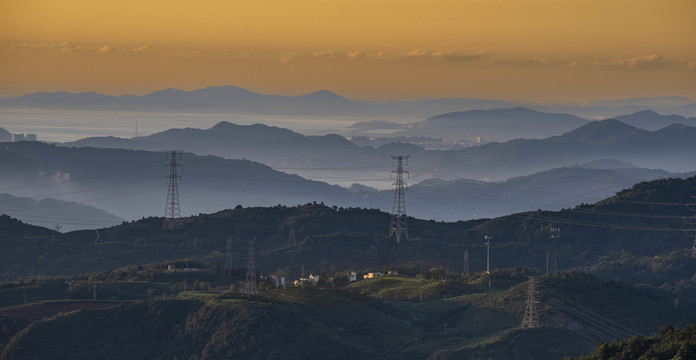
[
  {"x": 398, "y": 226},
  {"x": 488, "y": 253},
  {"x": 555, "y": 234}
]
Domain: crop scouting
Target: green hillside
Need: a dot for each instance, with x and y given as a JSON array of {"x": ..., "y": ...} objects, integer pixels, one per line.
[
  {"x": 669, "y": 343},
  {"x": 204, "y": 320},
  {"x": 171, "y": 286},
  {"x": 639, "y": 236}
]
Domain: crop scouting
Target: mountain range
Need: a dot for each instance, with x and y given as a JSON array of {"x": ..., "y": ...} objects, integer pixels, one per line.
[
  {"x": 131, "y": 184},
  {"x": 489, "y": 180},
  {"x": 232, "y": 99},
  {"x": 668, "y": 148},
  {"x": 496, "y": 125},
  {"x": 49, "y": 212}
]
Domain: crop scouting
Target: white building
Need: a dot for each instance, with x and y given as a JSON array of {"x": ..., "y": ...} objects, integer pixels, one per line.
[{"x": 22, "y": 137}]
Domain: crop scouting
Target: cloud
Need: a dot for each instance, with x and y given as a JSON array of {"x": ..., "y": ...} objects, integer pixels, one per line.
[
  {"x": 339, "y": 55},
  {"x": 637, "y": 63},
  {"x": 106, "y": 49},
  {"x": 67, "y": 47},
  {"x": 140, "y": 48},
  {"x": 64, "y": 47},
  {"x": 688, "y": 63},
  {"x": 289, "y": 57},
  {"x": 654, "y": 61},
  {"x": 441, "y": 55},
  {"x": 528, "y": 61}
]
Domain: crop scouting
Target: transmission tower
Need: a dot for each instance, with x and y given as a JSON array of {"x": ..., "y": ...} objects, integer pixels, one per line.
[
  {"x": 398, "y": 226},
  {"x": 693, "y": 247},
  {"x": 172, "y": 211},
  {"x": 250, "y": 283},
  {"x": 291, "y": 235},
  {"x": 555, "y": 234},
  {"x": 228, "y": 254},
  {"x": 531, "y": 317},
  {"x": 488, "y": 253}
]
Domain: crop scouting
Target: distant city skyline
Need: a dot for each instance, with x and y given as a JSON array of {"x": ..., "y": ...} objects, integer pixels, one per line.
[{"x": 534, "y": 51}]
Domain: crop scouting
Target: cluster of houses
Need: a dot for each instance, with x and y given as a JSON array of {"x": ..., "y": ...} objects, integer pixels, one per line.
[{"x": 314, "y": 279}]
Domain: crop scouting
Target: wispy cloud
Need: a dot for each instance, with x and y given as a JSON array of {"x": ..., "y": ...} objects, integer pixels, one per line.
[
  {"x": 106, "y": 49},
  {"x": 67, "y": 47},
  {"x": 640, "y": 62},
  {"x": 442, "y": 55},
  {"x": 140, "y": 48},
  {"x": 361, "y": 55},
  {"x": 635, "y": 63},
  {"x": 688, "y": 63},
  {"x": 339, "y": 55},
  {"x": 64, "y": 47},
  {"x": 289, "y": 57}
]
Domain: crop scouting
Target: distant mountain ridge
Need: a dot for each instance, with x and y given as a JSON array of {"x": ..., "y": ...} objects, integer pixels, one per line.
[
  {"x": 115, "y": 179},
  {"x": 232, "y": 99},
  {"x": 650, "y": 120},
  {"x": 495, "y": 125},
  {"x": 49, "y": 212},
  {"x": 669, "y": 148}
]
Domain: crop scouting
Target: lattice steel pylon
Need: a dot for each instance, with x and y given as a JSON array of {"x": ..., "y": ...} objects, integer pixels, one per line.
[
  {"x": 531, "y": 316},
  {"x": 291, "y": 235},
  {"x": 172, "y": 211},
  {"x": 398, "y": 226},
  {"x": 250, "y": 283}
]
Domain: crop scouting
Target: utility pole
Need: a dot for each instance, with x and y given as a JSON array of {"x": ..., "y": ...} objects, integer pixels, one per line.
[
  {"x": 172, "y": 211},
  {"x": 98, "y": 239},
  {"x": 692, "y": 222},
  {"x": 555, "y": 234},
  {"x": 291, "y": 236},
  {"x": 547, "y": 263},
  {"x": 466, "y": 261},
  {"x": 228, "y": 254},
  {"x": 488, "y": 253},
  {"x": 398, "y": 226},
  {"x": 250, "y": 283},
  {"x": 531, "y": 317}
]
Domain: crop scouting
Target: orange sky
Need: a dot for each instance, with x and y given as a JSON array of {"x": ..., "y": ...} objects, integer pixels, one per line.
[{"x": 524, "y": 50}]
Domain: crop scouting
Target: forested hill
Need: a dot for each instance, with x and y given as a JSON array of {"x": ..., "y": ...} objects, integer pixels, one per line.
[
  {"x": 639, "y": 236},
  {"x": 669, "y": 343}
]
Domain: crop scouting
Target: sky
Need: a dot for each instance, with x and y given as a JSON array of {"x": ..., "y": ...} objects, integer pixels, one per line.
[{"x": 540, "y": 51}]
